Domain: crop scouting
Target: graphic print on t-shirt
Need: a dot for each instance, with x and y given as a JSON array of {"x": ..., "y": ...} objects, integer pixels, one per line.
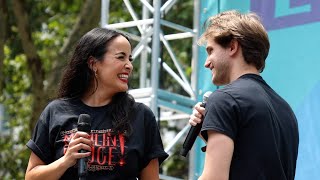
[{"x": 108, "y": 150}]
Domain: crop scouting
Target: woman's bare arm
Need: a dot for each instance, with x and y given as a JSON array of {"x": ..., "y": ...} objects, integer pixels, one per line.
[
  {"x": 37, "y": 169},
  {"x": 151, "y": 171}
]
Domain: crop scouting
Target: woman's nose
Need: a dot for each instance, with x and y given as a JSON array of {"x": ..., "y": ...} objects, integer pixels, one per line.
[{"x": 129, "y": 65}]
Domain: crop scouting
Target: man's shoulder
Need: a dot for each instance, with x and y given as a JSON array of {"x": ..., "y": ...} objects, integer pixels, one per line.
[{"x": 245, "y": 84}]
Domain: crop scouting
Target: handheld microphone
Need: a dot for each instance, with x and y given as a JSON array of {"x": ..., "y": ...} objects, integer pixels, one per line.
[
  {"x": 84, "y": 124},
  {"x": 194, "y": 130}
]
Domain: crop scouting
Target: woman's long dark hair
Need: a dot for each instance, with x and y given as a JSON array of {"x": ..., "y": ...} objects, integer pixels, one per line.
[{"x": 78, "y": 77}]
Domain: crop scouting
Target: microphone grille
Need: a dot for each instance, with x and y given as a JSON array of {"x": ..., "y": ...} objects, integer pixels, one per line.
[
  {"x": 84, "y": 118},
  {"x": 206, "y": 96}
]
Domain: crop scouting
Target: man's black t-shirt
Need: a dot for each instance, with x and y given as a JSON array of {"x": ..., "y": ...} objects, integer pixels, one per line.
[
  {"x": 262, "y": 126},
  {"x": 113, "y": 156}
]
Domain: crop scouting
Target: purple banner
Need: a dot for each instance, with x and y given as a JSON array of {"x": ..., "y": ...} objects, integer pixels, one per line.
[{"x": 266, "y": 9}]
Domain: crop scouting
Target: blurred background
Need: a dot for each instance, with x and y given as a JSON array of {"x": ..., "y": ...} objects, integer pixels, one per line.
[{"x": 37, "y": 37}]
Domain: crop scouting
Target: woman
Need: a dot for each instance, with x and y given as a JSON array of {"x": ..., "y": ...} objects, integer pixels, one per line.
[{"x": 124, "y": 142}]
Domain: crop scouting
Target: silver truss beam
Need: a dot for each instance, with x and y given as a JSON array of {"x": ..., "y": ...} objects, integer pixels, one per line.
[
  {"x": 147, "y": 5},
  {"x": 143, "y": 43},
  {"x": 133, "y": 14},
  {"x": 176, "y": 26},
  {"x": 104, "y": 12},
  {"x": 144, "y": 54},
  {"x": 167, "y": 6},
  {"x": 130, "y": 24},
  {"x": 176, "y": 139},
  {"x": 184, "y": 85},
  {"x": 177, "y": 36},
  {"x": 177, "y": 64},
  {"x": 194, "y": 75},
  {"x": 155, "y": 56}
]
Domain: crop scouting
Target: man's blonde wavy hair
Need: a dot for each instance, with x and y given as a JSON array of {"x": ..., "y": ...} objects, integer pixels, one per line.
[{"x": 247, "y": 29}]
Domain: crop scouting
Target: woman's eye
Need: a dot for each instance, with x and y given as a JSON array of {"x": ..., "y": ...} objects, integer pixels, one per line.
[{"x": 130, "y": 59}]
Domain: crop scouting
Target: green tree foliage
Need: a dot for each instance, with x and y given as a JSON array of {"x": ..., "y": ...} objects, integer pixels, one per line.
[
  {"x": 17, "y": 102},
  {"x": 35, "y": 39}
]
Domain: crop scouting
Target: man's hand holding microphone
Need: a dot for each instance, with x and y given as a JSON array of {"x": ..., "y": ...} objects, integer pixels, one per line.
[{"x": 195, "y": 120}]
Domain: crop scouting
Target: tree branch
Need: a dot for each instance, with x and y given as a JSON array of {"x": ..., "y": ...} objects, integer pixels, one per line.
[
  {"x": 3, "y": 24},
  {"x": 89, "y": 18},
  {"x": 33, "y": 60}
]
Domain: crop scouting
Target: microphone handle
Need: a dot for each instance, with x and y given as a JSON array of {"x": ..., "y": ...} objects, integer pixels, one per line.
[
  {"x": 191, "y": 137},
  {"x": 82, "y": 166},
  {"x": 82, "y": 162}
]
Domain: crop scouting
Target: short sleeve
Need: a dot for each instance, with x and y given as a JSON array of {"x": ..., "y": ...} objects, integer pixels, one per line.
[
  {"x": 39, "y": 144},
  {"x": 222, "y": 114},
  {"x": 153, "y": 143}
]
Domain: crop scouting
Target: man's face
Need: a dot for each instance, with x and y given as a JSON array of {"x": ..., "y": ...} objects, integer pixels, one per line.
[{"x": 218, "y": 62}]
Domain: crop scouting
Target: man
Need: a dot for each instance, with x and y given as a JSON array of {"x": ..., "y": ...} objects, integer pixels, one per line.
[{"x": 249, "y": 130}]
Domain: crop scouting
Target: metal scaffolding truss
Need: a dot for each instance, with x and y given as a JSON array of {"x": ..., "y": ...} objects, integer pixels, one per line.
[{"x": 173, "y": 106}]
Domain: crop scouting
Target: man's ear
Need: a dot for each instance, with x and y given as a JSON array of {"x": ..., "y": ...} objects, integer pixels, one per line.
[{"x": 234, "y": 47}]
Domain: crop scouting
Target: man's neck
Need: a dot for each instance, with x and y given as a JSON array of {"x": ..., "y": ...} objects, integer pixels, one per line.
[{"x": 243, "y": 69}]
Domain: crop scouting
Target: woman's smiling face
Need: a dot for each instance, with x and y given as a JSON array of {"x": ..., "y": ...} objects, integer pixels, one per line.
[{"x": 115, "y": 68}]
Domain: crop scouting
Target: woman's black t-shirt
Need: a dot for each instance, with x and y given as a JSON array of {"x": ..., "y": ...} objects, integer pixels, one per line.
[{"x": 113, "y": 156}]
